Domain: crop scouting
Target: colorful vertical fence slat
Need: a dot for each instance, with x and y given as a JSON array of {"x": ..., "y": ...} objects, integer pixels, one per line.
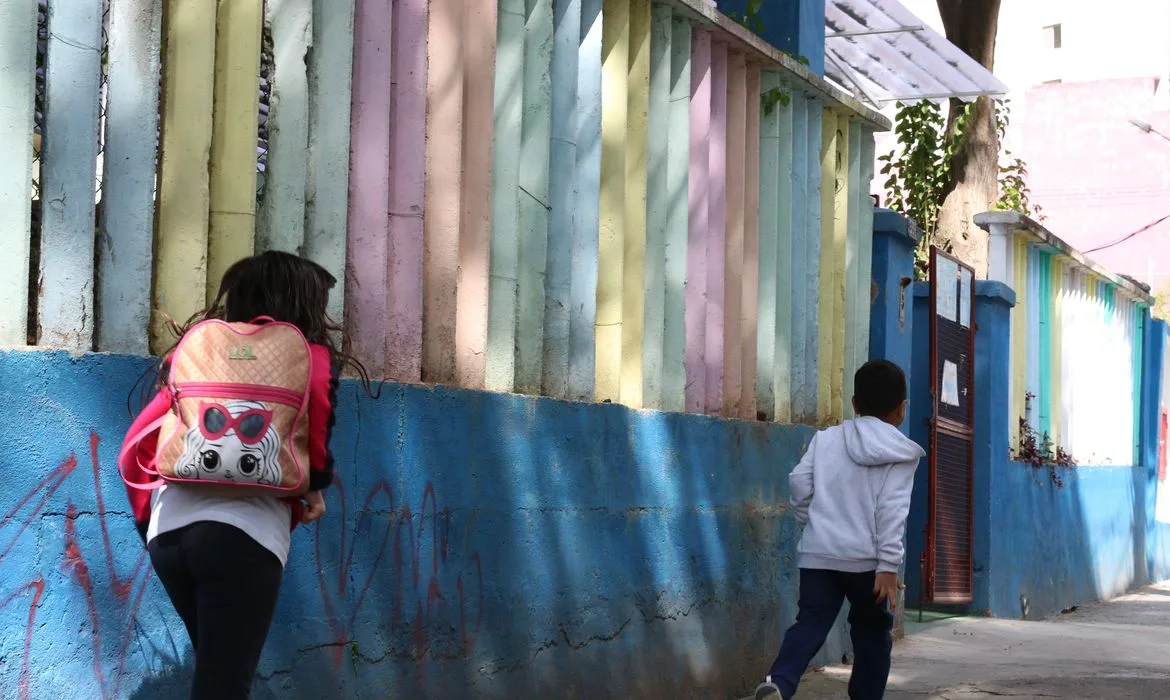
[
  {"x": 370, "y": 240},
  {"x": 330, "y": 88},
  {"x": 588, "y": 199},
  {"x": 615, "y": 52},
  {"x": 735, "y": 209},
  {"x": 235, "y": 122},
  {"x": 1076, "y": 346},
  {"x": 68, "y": 173},
  {"x": 18, "y": 35},
  {"x": 184, "y": 199},
  {"x": 280, "y": 223},
  {"x": 563, "y": 179},
  {"x": 587, "y": 127},
  {"x": 698, "y": 217},
  {"x": 677, "y": 218},
  {"x": 126, "y": 244}
]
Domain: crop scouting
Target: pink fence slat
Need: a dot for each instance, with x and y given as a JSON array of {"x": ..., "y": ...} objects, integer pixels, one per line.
[
  {"x": 736, "y": 154},
  {"x": 471, "y": 316},
  {"x": 443, "y": 182},
  {"x": 368, "y": 258},
  {"x": 749, "y": 305},
  {"x": 408, "y": 114}
]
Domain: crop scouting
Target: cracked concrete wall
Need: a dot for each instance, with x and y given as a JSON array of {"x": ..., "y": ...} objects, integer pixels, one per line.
[{"x": 478, "y": 545}]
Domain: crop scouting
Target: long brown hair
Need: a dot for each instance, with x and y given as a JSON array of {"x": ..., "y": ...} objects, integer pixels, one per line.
[{"x": 284, "y": 287}]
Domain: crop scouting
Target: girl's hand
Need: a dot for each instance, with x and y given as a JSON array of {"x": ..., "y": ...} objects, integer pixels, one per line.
[{"x": 314, "y": 507}]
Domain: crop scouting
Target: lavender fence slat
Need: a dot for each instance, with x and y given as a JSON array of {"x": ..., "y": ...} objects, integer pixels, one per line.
[
  {"x": 408, "y": 112},
  {"x": 369, "y": 188}
]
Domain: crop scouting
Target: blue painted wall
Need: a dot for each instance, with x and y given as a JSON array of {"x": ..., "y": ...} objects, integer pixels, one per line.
[
  {"x": 477, "y": 545},
  {"x": 795, "y": 26},
  {"x": 1043, "y": 540}
]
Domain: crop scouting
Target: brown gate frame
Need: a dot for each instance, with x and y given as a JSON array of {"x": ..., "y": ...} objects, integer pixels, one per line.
[{"x": 940, "y": 424}]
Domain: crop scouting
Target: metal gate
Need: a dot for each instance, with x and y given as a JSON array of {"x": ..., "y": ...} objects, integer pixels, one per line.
[{"x": 952, "y": 360}]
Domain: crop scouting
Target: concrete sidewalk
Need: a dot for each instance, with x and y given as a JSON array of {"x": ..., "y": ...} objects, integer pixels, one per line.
[{"x": 1119, "y": 649}]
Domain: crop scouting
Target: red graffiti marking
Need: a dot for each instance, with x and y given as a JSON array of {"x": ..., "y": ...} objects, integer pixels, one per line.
[
  {"x": 426, "y": 594},
  {"x": 341, "y": 632},
  {"x": 48, "y": 486},
  {"x": 37, "y": 586},
  {"x": 75, "y": 565}
]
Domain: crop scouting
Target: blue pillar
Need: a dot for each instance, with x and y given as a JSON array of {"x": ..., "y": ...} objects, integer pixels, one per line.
[
  {"x": 891, "y": 313},
  {"x": 1155, "y": 542},
  {"x": 917, "y": 427},
  {"x": 993, "y": 305},
  {"x": 795, "y": 26}
]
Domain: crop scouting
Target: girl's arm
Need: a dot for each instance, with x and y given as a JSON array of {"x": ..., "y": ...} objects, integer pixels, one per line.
[
  {"x": 322, "y": 400},
  {"x": 139, "y": 499}
]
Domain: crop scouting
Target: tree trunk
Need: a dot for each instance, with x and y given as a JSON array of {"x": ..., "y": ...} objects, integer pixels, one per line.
[{"x": 971, "y": 25}]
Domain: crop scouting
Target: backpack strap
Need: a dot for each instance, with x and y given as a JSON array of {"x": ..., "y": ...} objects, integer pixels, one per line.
[{"x": 131, "y": 445}]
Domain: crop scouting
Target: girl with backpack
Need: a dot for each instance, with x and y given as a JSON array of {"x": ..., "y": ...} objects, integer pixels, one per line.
[{"x": 232, "y": 453}]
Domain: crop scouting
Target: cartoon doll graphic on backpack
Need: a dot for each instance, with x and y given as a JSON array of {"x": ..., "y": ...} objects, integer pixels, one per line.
[{"x": 234, "y": 441}]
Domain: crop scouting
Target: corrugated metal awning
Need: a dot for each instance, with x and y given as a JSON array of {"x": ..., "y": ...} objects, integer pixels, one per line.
[{"x": 881, "y": 52}]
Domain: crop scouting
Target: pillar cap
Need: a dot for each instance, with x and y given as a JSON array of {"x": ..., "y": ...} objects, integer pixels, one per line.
[{"x": 891, "y": 222}]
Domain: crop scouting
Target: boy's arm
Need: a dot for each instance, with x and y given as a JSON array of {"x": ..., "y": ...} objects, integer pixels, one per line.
[
  {"x": 800, "y": 484},
  {"x": 893, "y": 507}
]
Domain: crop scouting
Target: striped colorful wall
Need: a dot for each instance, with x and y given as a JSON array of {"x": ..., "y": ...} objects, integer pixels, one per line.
[
  {"x": 1077, "y": 339},
  {"x": 599, "y": 200}
]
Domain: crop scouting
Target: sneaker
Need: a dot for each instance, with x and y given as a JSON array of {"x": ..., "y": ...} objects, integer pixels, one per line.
[{"x": 768, "y": 691}]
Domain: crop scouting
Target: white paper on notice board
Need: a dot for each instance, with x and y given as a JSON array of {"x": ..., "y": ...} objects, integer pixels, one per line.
[
  {"x": 946, "y": 285},
  {"x": 950, "y": 384}
]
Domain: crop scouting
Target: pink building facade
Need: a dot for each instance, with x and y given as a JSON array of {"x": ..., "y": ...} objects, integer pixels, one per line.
[{"x": 1099, "y": 178}]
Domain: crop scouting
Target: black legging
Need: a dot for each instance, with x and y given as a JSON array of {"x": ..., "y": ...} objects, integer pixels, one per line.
[{"x": 224, "y": 585}]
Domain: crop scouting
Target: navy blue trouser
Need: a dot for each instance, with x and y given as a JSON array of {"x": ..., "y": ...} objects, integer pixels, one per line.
[{"x": 821, "y": 596}]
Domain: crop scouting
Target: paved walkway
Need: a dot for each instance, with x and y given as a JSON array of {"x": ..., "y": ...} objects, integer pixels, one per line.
[{"x": 1114, "y": 650}]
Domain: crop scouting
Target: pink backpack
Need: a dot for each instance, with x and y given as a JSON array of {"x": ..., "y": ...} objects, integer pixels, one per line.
[{"x": 238, "y": 422}]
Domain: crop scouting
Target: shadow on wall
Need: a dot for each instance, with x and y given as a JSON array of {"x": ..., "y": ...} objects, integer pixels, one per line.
[{"x": 493, "y": 544}]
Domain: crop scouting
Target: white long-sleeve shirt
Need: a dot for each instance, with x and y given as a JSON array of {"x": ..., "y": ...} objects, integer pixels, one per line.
[{"x": 851, "y": 492}]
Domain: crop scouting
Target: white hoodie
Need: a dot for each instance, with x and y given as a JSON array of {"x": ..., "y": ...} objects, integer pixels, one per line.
[{"x": 851, "y": 492}]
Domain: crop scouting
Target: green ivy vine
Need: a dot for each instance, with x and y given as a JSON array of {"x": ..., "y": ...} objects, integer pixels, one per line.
[
  {"x": 750, "y": 19},
  {"x": 918, "y": 170}
]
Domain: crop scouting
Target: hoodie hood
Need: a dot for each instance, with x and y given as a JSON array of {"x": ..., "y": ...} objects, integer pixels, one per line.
[{"x": 872, "y": 442}]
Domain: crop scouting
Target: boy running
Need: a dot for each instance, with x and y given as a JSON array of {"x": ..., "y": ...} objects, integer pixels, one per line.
[{"x": 851, "y": 493}]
